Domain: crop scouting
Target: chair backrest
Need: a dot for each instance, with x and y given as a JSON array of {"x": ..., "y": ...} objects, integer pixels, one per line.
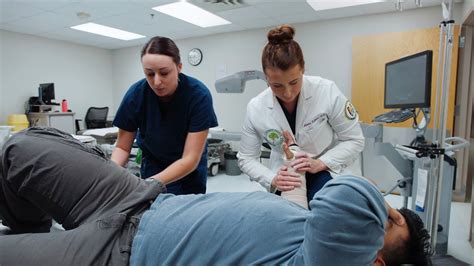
[{"x": 96, "y": 117}]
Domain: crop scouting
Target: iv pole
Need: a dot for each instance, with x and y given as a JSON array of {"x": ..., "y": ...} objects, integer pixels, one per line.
[{"x": 440, "y": 118}]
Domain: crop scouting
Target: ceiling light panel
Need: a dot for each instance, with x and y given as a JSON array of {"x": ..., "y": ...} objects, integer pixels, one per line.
[
  {"x": 192, "y": 14},
  {"x": 107, "y": 31},
  {"x": 319, "y": 5}
]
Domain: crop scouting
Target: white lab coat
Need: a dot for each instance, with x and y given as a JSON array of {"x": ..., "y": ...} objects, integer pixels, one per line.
[{"x": 324, "y": 128}]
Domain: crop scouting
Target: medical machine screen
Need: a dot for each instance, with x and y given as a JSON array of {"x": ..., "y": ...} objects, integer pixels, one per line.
[{"x": 408, "y": 81}]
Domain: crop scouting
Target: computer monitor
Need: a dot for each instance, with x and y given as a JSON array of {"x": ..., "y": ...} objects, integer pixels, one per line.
[
  {"x": 46, "y": 93},
  {"x": 408, "y": 81}
]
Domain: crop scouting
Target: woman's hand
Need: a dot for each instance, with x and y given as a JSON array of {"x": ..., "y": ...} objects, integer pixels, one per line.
[
  {"x": 304, "y": 163},
  {"x": 288, "y": 138},
  {"x": 285, "y": 180},
  {"x": 286, "y": 144}
]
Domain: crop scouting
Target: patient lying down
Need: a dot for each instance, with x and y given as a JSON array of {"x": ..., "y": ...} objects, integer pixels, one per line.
[{"x": 113, "y": 217}]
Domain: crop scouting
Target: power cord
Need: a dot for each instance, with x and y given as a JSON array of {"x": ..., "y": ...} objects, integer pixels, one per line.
[{"x": 401, "y": 183}]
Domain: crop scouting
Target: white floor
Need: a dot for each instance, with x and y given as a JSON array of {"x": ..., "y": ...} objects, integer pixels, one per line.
[{"x": 458, "y": 244}]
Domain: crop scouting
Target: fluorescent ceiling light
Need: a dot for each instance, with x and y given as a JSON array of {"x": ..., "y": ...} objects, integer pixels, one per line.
[
  {"x": 192, "y": 14},
  {"x": 320, "y": 5},
  {"x": 107, "y": 31}
]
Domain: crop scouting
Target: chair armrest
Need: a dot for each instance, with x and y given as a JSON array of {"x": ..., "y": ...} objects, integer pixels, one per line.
[{"x": 78, "y": 127}]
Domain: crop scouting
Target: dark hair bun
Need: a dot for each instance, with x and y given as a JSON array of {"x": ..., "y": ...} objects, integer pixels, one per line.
[{"x": 281, "y": 35}]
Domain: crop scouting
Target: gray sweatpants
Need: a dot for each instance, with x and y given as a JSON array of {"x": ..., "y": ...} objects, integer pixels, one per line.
[{"x": 47, "y": 174}]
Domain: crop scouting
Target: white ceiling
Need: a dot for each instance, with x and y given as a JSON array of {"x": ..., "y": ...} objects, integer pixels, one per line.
[{"x": 53, "y": 18}]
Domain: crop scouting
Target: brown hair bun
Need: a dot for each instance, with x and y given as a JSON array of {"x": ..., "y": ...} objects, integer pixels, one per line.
[
  {"x": 281, "y": 51},
  {"x": 281, "y": 35}
]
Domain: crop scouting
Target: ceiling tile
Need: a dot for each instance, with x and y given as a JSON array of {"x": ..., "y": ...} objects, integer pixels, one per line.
[
  {"x": 242, "y": 14},
  {"x": 11, "y": 11},
  {"x": 55, "y": 17},
  {"x": 276, "y": 9},
  {"x": 144, "y": 16},
  {"x": 340, "y": 12},
  {"x": 73, "y": 35},
  {"x": 142, "y": 25},
  {"x": 258, "y": 23},
  {"x": 46, "y": 21},
  {"x": 25, "y": 30},
  {"x": 151, "y": 3},
  {"x": 45, "y": 5},
  {"x": 307, "y": 16},
  {"x": 96, "y": 9},
  {"x": 121, "y": 44},
  {"x": 287, "y": 2},
  {"x": 225, "y": 28}
]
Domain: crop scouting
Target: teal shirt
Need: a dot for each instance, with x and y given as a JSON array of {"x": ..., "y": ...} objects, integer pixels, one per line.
[{"x": 345, "y": 226}]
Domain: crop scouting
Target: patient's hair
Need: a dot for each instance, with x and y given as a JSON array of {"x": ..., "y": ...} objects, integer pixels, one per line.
[
  {"x": 281, "y": 51},
  {"x": 414, "y": 251},
  {"x": 162, "y": 45}
]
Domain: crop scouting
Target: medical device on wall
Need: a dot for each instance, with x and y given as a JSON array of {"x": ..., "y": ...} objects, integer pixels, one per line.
[
  {"x": 235, "y": 83},
  {"x": 408, "y": 87}
]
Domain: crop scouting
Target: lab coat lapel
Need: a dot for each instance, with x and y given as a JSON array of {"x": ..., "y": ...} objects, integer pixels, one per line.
[
  {"x": 304, "y": 104},
  {"x": 278, "y": 115}
]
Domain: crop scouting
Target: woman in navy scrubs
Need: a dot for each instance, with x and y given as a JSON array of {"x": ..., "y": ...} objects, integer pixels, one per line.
[{"x": 169, "y": 113}]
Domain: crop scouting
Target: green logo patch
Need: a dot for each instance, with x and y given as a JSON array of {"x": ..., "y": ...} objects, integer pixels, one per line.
[{"x": 273, "y": 137}]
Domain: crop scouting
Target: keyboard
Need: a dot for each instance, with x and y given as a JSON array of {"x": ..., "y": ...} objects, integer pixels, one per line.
[{"x": 395, "y": 116}]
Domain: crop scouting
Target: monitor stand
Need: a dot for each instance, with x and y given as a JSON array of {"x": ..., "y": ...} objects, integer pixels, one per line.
[{"x": 420, "y": 128}]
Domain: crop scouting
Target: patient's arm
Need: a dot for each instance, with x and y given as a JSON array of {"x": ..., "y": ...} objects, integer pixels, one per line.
[{"x": 346, "y": 224}]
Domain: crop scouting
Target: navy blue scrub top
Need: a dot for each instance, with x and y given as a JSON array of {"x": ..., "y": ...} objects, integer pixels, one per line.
[{"x": 162, "y": 128}]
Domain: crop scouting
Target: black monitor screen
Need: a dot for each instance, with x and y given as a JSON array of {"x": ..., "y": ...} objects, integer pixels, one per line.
[
  {"x": 46, "y": 93},
  {"x": 408, "y": 81}
]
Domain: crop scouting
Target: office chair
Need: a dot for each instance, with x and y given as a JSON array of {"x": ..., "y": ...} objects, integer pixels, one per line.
[{"x": 96, "y": 117}]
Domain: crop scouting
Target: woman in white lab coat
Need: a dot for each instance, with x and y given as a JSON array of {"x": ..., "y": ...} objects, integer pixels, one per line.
[{"x": 313, "y": 110}]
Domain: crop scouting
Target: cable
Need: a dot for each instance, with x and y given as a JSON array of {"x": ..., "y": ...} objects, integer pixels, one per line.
[{"x": 398, "y": 184}]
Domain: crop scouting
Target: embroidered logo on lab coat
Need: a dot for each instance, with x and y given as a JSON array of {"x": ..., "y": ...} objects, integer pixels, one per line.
[
  {"x": 350, "y": 111},
  {"x": 274, "y": 137}
]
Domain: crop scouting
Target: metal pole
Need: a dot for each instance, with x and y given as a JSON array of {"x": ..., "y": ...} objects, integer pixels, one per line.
[
  {"x": 433, "y": 166},
  {"x": 438, "y": 84},
  {"x": 439, "y": 136}
]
